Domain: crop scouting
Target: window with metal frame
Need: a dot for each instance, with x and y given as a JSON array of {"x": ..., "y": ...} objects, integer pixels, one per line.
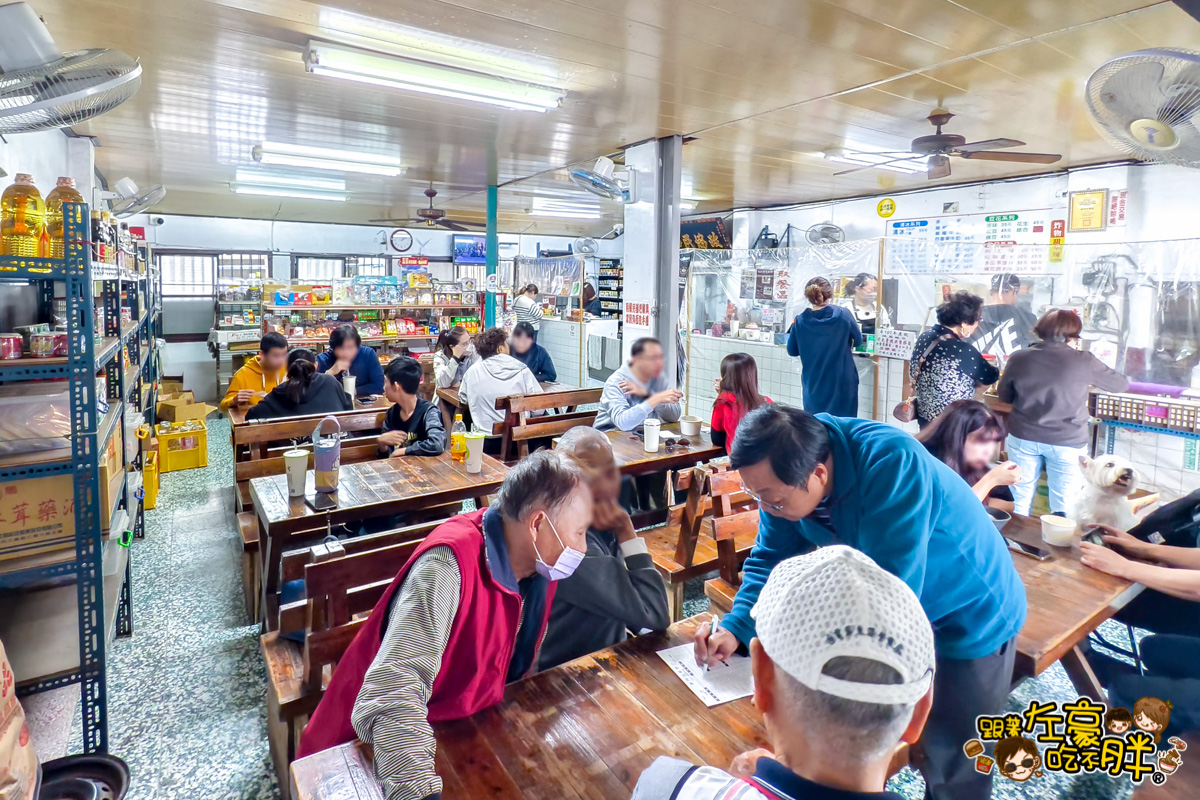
[
  {"x": 366, "y": 265},
  {"x": 187, "y": 274},
  {"x": 243, "y": 267},
  {"x": 314, "y": 268}
]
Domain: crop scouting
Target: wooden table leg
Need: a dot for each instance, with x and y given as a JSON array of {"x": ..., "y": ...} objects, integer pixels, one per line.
[
  {"x": 447, "y": 417},
  {"x": 1081, "y": 674}
]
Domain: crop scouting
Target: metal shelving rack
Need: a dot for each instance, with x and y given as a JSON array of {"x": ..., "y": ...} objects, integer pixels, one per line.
[
  {"x": 87, "y": 356},
  {"x": 609, "y": 289}
]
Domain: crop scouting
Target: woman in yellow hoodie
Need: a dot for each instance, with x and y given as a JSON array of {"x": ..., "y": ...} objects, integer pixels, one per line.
[{"x": 259, "y": 375}]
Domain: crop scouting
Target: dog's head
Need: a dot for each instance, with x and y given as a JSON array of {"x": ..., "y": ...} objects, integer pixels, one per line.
[{"x": 1110, "y": 474}]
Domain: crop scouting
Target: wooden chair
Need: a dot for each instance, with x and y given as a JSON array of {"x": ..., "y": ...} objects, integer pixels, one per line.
[
  {"x": 518, "y": 428},
  {"x": 341, "y": 587},
  {"x": 428, "y": 383},
  {"x": 735, "y": 531}
]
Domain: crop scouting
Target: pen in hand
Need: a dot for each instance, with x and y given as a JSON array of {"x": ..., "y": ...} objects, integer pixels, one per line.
[{"x": 716, "y": 625}]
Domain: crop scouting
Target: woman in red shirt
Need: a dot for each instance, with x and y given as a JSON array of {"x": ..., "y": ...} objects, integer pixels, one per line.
[{"x": 737, "y": 396}]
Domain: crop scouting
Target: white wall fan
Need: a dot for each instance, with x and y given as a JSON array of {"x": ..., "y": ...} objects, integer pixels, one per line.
[
  {"x": 585, "y": 246},
  {"x": 128, "y": 199},
  {"x": 1146, "y": 104},
  {"x": 605, "y": 180},
  {"x": 824, "y": 233},
  {"x": 42, "y": 88}
]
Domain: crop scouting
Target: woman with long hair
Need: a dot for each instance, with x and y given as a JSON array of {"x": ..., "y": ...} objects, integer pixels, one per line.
[
  {"x": 824, "y": 337},
  {"x": 453, "y": 357},
  {"x": 737, "y": 396},
  {"x": 526, "y": 307},
  {"x": 305, "y": 391},
  {"x": 966, "y": 438}
]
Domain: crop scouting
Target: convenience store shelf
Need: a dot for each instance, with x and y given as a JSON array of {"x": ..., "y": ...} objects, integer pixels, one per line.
[
  {"x": 34, "y": 623},
  {"x": 396, "y": 338},
  {"x": 54, "y": 366},
  {"x": 401, "y": 306},
  {"x": 19, "y": 268}
]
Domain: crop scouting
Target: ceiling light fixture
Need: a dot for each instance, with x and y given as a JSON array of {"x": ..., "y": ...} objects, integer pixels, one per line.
[
  {"x": 547, "y": 207},
  {"x": 348, "y": 63},
  {"x": 280, "y": 191},
  {"x": 262, "y": 178},
  {"x": 866, "y": 159},
  {"x": 297, "y": 155}
]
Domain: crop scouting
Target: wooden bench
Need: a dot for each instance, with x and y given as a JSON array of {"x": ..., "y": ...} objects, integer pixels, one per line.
[
  {"x": 340, "y": 591},
  {"x": 735, "y": 531},
  {"x": 518, "y": 428}
]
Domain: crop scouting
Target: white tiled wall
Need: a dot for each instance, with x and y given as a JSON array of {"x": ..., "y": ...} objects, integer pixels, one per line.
[
  {"x": 1158, "y": 458},
  {"x": 561, "y": 340},
  {"x": 779, "y": 377}
]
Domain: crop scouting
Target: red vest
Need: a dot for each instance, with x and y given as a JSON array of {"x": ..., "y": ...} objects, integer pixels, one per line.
[{"x": 475, "y": 661}]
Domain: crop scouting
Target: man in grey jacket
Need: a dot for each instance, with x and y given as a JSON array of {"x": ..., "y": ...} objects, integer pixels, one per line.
[
  {"x": 616, "y": 588},
  {"x": 638, "y": 391}
]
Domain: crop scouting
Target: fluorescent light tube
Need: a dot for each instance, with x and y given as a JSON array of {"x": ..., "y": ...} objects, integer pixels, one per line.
[
  {"x": 260, "y": 178},
  {"x": 280, "y": 191},
  {"x": 296, "y": 155},
  {"x": 860, "y": 162},
  {"x": 348, "y": 63},
  {"x": 564, "y": 214}
]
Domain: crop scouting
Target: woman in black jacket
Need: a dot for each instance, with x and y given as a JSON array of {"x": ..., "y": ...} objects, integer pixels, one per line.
[
  {"x": 524, "y": 348},
  {"x": 305, "y": 391}
]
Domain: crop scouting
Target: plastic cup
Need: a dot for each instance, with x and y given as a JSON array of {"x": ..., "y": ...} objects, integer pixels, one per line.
[
  {"x": 650, "y": 430},
  {"x": 1058, "y": 531},
  {"x": 475, "y": 452},
  {"x": 348, "y": 382},
  {"x": 295, "y": 463}
]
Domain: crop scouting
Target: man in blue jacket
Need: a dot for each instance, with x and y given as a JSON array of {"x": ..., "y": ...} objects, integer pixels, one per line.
[
  {"x": 821, "y": 480},
  {"x": 347, "y": 356}
]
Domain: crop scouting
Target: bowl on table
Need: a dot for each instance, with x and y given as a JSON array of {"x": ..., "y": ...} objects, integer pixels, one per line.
[
  {"x": 1058, "y": 531},
  {"x": 999, "y": 517},
  {"x": 689, "y": 426}
]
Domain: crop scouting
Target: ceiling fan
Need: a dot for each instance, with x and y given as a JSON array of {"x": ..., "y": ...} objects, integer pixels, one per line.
[
  {"x": 939, "y": 147},
  {"x": 433, "y": 217}
]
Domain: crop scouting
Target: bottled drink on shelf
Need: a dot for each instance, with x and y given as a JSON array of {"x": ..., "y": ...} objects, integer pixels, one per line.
[
  {"x": 22, "y": 219},
  {"x": 64, "y": 192},
  {"x": 458, "y": 439}
]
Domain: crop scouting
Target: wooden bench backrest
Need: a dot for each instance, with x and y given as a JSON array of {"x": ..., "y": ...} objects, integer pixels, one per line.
[
  {"x": 284, "y": 428},
  {"x": 692, "y": 516},
  {"x": 735, "y": 514},
  {"x": 727, "y": 492},
  {"x": 262, "y": 459},
  {"x": 338, "y": 590},
  {"x": 428, "y": 385},
  {"x": 548, "y": 400},
  {"x": 518, "y": 428}
]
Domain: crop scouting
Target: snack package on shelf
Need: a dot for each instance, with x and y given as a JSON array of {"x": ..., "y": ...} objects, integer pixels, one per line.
[
  {"x": 19, "y": 765},
  {"x": 35, "y": 417},
  {"x": 342, "y": 292},
  {"x": 425, "y": 298},
  {"x": 321, "y": 295},
  {"x": 410, "y": 297}
]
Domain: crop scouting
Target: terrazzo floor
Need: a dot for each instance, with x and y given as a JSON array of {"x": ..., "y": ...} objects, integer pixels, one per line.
[{"x": 187, "y": 690}]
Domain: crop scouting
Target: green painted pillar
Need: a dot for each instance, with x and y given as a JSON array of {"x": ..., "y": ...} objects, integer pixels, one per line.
[{"x": 493, "y": 254}]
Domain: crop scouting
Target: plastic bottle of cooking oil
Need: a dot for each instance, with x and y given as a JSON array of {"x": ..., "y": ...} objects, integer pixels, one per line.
[
  {"x": 22, "y": 219},
  {"x": 64, "y": 192}
]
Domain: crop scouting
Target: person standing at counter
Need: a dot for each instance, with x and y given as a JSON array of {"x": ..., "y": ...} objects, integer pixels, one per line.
[
  {"x": 862, "y": 296},
  {"x": 591, "y": 303},
  {"x": 824, "y": 337},
  {"x": 347, "y": 356},
  {"x": 523, "y": 347},
  {"x": 1006, "y": 326},
  {"x": 1048, "y": 384},
  {"x": 944, "y": 366},
  {"x": 455, "y": 355},
  {"x": 526, "y": 307}
]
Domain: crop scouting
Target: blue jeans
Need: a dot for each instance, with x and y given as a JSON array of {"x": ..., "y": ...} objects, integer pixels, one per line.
[{"x": 1062, "y": 472}]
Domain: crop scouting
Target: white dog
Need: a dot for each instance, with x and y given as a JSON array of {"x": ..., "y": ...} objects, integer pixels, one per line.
[{"x": 1109, "y": 480}]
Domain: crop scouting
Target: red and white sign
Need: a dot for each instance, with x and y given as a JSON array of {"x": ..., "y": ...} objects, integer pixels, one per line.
[
  {"x": 637, "y": 314},
  {"x": 414, "y": 261},
  {"x": 138, "y": 234},
  {"x": 1116, "y": 208}
]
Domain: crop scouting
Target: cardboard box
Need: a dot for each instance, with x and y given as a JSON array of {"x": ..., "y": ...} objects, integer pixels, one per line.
[
  {"x": 181, "y": 407},
  {"x": 170, "y": 384},
  {"x": 37, "y": 515}
]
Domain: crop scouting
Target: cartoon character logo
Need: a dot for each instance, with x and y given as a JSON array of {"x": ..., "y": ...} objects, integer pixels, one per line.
[
  {"x": 1017, "y": 758},
  {"x": 1118, "y": 721},
  {"x": 1152, "y": 715}
]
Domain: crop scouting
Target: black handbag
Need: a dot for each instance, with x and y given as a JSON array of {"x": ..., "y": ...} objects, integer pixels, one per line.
[{"x": 906, "y": 411}]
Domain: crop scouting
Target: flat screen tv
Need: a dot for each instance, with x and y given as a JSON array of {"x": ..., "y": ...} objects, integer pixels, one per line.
[{"x": 470, "y": 249}]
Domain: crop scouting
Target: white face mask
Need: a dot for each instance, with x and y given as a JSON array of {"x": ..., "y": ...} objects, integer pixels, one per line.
[{"x": 568, "y": 560}]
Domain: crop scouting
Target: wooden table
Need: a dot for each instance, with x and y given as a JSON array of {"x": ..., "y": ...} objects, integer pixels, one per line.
[
  {"x": 1067, "y": 601},
  {"x": 633, "y": 459},
  {"x": 237, "y": 414},
  {"x": 585, "y": 729},
  {"x": 451, "y": 401},
  {"x": 366, "y": 490}
]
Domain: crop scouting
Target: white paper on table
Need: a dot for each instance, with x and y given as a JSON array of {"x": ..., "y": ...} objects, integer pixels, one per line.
[{"x": 715, "y": 686}]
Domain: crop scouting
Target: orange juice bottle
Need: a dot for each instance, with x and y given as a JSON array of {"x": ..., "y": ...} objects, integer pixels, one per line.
[
  {"x": 458, "y": 439},
  {"x": 22, "y": 219},
  {"x": 64, "y": 192}
]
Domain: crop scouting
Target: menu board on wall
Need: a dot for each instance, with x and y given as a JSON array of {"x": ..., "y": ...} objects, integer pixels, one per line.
[{"x": 970, "y": 243}]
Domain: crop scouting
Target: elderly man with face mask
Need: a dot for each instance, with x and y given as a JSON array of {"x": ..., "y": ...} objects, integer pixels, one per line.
[
  {"x": 463, "y": 617},
  {"x": 616, "y": 588}
]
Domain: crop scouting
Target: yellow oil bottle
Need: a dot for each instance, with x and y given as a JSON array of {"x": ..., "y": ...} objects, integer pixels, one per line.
[
  {"x": 22, "y": 219},
  {"x": 64, "y": 192}
]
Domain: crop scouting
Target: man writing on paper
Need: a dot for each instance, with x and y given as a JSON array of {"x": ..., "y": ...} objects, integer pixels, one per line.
[
  {"x": 464, "y": 616},
  {"x": 843, "y": 670},
  {"x": 821, "y": 480},
  {"x": 616, "y": 588}
]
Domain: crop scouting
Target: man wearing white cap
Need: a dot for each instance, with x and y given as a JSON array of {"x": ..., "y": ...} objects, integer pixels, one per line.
[{"x": 843, "y": 665}]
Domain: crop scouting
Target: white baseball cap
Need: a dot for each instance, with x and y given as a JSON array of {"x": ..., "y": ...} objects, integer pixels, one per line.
[{"x": 833, "y": 602}]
